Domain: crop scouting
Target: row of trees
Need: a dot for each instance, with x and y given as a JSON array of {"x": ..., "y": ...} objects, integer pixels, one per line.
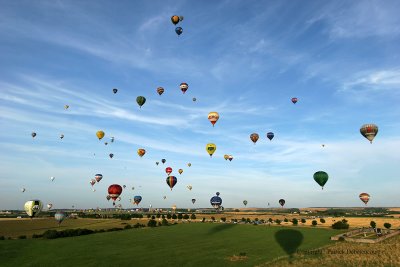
[{"x": 180, "y": 216}]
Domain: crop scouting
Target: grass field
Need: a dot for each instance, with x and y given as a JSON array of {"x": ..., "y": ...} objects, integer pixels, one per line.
[{"x": 194, "y": 244}]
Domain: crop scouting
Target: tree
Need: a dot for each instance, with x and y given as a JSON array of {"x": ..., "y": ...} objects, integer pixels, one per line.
[
  {"x": 243, "y": 219},
  {"x": 174, "y": 216},
  {"x": 223, "y": 219},
  {"x": 322, "y": 220},
  {"x": 169, "y": 216},
  {"x": 236, "y": 210},
  {"x": 163, "y": 216},
  {"x": 152, "y": 223},
  {"x": 372, "y": 224},
  {"x": 248, "y": 220},
  {"x": 180, "y": 216},
  {"x": 153, "y": 217},
  {"x": 186, "y": 216},
  {"x": 270, "y": 220},
  {"x": 212, "y": 218},
  {"x": 158, "y": 215},
  {"x": 314, "y": 222},
  {"x": 203, "y": 220},
  {"x": 303, "y": 220},
  {"x": 148, "y": 215},
  {"x": 341, "y": 225},
  {"x": 277, "y": 221},
  {"x": 285, "y": 220},
  {"x": 256, "y": 219},
  {"x": 193, "y": 216},
  {"x": 387, "y": 225},
  {"x": 164, "y": 222},
  {"x": 295, "y": 221}
]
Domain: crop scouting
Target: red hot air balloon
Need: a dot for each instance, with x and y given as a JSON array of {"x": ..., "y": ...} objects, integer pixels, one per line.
[
  {"x": 114, "y": 191},
  {"x": 168, "y": 170},
  {"x": 294, "y": 100}
]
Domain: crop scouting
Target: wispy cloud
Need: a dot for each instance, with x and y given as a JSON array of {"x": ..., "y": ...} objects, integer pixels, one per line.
[{"x": 374, "y": 80}]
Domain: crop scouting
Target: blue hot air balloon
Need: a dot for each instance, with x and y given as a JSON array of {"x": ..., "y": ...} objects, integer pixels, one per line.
[
  {"x": 216, "y": 201},
  {"x": 270, "y": 135},
  {"x": 137, "y": 199},
  {"x": 59, "y": 216},
  {"x": 178, "y": 30}
]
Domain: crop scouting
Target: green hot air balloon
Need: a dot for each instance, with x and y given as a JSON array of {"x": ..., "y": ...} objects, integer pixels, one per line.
[
  {"x": 321, "y": 178},
  {"x": 140, "y": 100}
]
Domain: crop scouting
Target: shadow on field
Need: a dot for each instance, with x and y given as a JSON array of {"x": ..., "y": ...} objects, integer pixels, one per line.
[
  {"x": 289, "y": 240},
  {"x": 219, "y": 228}
]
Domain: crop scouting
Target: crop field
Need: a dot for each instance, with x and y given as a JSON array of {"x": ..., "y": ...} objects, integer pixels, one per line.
[{"x": 191, "y": 244}]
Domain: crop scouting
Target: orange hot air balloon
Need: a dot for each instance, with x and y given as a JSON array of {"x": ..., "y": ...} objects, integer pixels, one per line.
[
  {"x": 226, "y": 157},
  {"x": 160, "y": 90},
  {"x": 175, "y": 19},
  {"x": 141, "y": 152},
  {"x": 100, "y": 134},
  {"x": 213, "y": 117},
  {"x": 254, "y": 137}
]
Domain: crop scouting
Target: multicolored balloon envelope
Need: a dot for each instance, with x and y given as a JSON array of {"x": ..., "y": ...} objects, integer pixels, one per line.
[
  {"x": 141, "y": 152},
  {"x": 369, "y": 131},
  {"x": 160, "y": 90},
  {"x": 294, "y": 100},
  {"x": 213, "y": 117},
  {"x": 184, "y": 87},
  {"x": 364, "y": 197},
  {"x": 59, "y": 216},
  {"x": 171, "y": 181},
  {"x": 137, "y": 199},
  {"x": 168, "y": 170},
  {"x": 98, "y": 177},
  {"x": 254, "y": 137},
  {"x": 33, "y": 207}
]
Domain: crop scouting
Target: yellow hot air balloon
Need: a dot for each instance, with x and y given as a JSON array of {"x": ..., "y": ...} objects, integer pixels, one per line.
[
  {"x": 226, "y": 157},
  {"x": 100, "y": 134},
  {"x": 180, "y": 171},
  {"x": 213, "y": 117},
  {"x": 189, "y": 164},
  {"x": 33, "y": 207},
  {"x": 189, "y": 187},
  {"x": 141, "y": 152},
  {"x": 210, "y": 147}
]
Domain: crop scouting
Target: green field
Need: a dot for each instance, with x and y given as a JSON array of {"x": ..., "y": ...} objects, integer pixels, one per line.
[{"x": 194, "y": 244}]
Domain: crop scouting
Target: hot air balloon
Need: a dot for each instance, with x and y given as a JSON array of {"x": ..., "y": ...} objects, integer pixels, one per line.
[
  {"x": 230, "y": 157},
  {"x": 168, "y": 170},
  {"x": 160, "y": 90},
  {"x": 323, "y": 145},
  {"x": 321, "y": 178},
  {"x": 140, "y": 100},
  {"x": 194, "y": 99},
  {"x": 141, "y": 152},
  {"x": 133, "y": 188},
  {"x": 216, "y": 201},
  {"x": 92, "y": 182},
  {"x": 49, "y": 206},
  {"x": 23, "y": 190},
  {"x": 137, "y": 199},
  {"x": 98, "y": 177},
  {"x": 189, "y": 187},
  {"x": 364, "y": 197},
  {"x": 112, "y": 139},
  {"x": 157, "y": 163},
  {"x": 189, "y": 164},
  {"x": 115, "y": 90},
  {"x": 100, "y": 134},
  {"x": 282, "y": 202},
  {"x": 226, "y": 157},
  {"x": 193, "y": 200},
  {"x": 163, "y": 161},
  {"x": 33, "y": 207},
  {"x": 254, "y": 137},
  {"x": 52, "y": 178},
  {"x": 33, "y": 134},
  {"x": 61, "y": 136},
  {"x": 245, "y": 202},
  {"x": 108, "y": 197},
  {"x": 369, "y": 131},
  {"x": 105, "y": 143},
  {"x": 66, "y": 106},
  {"x": 184, "y": 87},
  {"x": 111, "y": 155},
  {"x": 270, "y": 135},
  {"x": 164, "y": 197},
  {"x": 210, "y": 148},
  {"x": 171, "y": 181},
  {"x": 180, "y": 171},
  {"x": 175, "y": 19},
  {"x": 59, "y": 216},
  {"x": 173, "y": 207},
  {"x": 213, "y": 117},
  {"x": 178, "y": 30},
  {"x": 294, "y": 100},
  {"x": 114, "y": 191},
  {"x": 124, "y": 186},
  {"x": 94, "y": 190},
  {"x": 180, "y": 18}
]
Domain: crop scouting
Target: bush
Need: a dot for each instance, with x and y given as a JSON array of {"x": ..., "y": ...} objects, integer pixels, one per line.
[
  {"x": 248, "y": 220},
  {"x": 314, "y": 223},
  {"x": 372, "y": 224},
  {"x": 35, "y": 236},
  {"x": 341, "y": 238},
  {"x": 153, "y": 217},
  {"x": 270, "y": 220},
  {"x": 163, "y": 216},
  {"x": 138, "y": 225},
  {"x": 159, "y": 224},
  {"x": 180, "y": 216},
  {"x": 2, "y": 237},
  {"x": 148, "y": 216},
  {"x": 243, "y": 219},
  {"x": 295, "y": 221},
  {"x": 186, "y": 216},
  {"x": 322, "y": 220},
  {"x": 164, "y": 222},
  {"x": 387, "y": 225},
  {"x": 212, "y": 218},
  {"x": 174, "y": 216},
  {"x": 204, "y": 219},
  {"x": 158, "y": 215},
  {"x": 169, "y": 216},
  {"x": 152, "y": 223},
  {"x": 22, "y": 237},
  {"x": 285, "y": 220},
  {"x": 277, "y": 221},
  {"x": 341, "y": 225},
  {"x": 236, "y": 210},
  {"x": 128, "y": 226},
  {"x": 303, "y": 220},
  {"x": 193, "y": 216},
  {"x": 223, "y": 219},
  {"x": 50, "y": 234}
]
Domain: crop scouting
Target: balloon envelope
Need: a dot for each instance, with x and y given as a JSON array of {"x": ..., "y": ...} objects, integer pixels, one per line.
[
  {"x": 184, "y": 87},
  {"x": 171, "y": 181},
  {"x": 137, "y": 199},
  {"x": 270, "y": 135},
  {"x": 321, "y": 178},
  {"x": 115, "y": 90},
  {"x": 364, "y": 197},
  {"x": 369, "y": 131},
  {"x": 140, "y": 100},
  {"x": 175, "y": 19},
  {"x": 210, "y": 148},
  {"x": 59, "y": 216},
  {"x": 160, "y": 90},
  {"x": 100, "y": 134},
  {"x": 33, "y": 207},
  {"x": 114, "y": 191},
  {"x": 178, "y": 30},
  {"x": 282, "y": 202},
  {"x": 213, "y": 117},
  {"x": 254, "y": 137}
]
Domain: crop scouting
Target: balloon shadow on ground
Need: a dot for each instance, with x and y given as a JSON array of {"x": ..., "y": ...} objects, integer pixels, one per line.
[
  {"x": 289, "y": 240},
  {"x": 220, "y": 227}
]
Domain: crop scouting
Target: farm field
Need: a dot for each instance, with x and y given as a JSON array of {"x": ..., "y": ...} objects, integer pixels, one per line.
[{"x": 195, "y": 244}]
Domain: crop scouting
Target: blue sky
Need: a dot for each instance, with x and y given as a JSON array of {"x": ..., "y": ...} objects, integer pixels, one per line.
[{"x": 243, "y": 59}]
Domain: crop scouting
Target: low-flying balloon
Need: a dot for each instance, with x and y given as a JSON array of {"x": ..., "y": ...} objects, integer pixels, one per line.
[
  {"x": 213, "y": 117},
  {"x": 49, "y": 206},
  {"x": 369, "y": 131},
  {"x": 254, "y": 137},
  {"x": 270, "y": 135},
  {"x": 114, "y": 191},
  {"x": 282, "y": 202},
  {"x": 140, "y": 100},
  {"x": 33, "y": 207},
  {"x": 178, "y": 30},
  {"x": 321, "y": 178},
  {"x": 210, "y": 148},
  {"x": 216, "y": 201},
  {"x": 245, "y": 202},
  {"x": 160, "y": 90},
  {"x": 171, "y": 181},
  {"x": 59, "y": 217},
  {"x": 364, "y": 197},
  {"x": 141, "y": 152},
  {"x": 100, "y": 134}
]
